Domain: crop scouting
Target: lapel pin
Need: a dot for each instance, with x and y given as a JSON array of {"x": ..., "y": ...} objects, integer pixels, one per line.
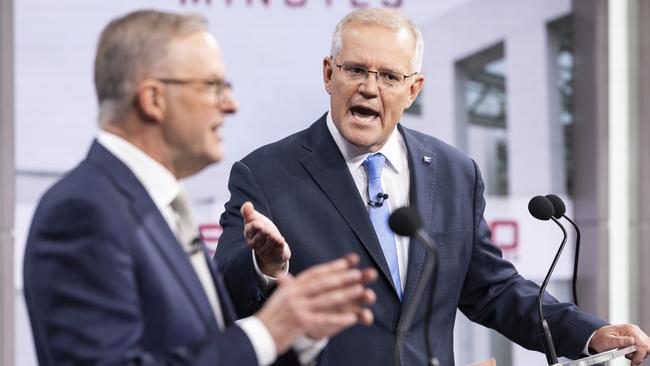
[{"x": 426, "y": 159}]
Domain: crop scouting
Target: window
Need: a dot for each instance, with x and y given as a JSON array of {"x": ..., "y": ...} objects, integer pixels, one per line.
[{"x": 483, "y": 117}]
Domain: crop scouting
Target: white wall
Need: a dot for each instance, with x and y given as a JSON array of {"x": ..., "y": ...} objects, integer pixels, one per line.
[{"x": 6, "y": 183}]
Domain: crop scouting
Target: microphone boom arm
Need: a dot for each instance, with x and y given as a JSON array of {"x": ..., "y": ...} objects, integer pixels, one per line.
[
  {"x": 576, "y": 259},
  {"x": 547, "y": 340},
  {"x": 430, "y": 270}
]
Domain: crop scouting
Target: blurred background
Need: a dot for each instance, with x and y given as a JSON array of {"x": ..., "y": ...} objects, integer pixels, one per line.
[{"x": 548, "y": 96}]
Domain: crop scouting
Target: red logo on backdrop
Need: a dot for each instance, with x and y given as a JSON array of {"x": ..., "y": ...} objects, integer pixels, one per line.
[
  {"x": 300, "y": 3},
  {"x": 210, "y": 234},
  {"x": 505, "y": 235}
]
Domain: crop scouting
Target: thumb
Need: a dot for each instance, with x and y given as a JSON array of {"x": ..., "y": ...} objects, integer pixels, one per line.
[
  {"x": 248, "y": 211},
  {"x": 284, "y": 278}
]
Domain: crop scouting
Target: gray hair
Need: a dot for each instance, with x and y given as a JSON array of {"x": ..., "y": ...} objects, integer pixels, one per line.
[
  {"x": 129, "y": 48},
  {"x": 382, "y": 17}
]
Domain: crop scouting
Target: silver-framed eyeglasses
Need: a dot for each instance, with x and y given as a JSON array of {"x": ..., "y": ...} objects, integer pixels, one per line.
[
  {"x": 385, "y": 79},
  {"x": 221, "y": 86}
]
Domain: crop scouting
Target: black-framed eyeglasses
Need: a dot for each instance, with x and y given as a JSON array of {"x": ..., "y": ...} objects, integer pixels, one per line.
[
  {"x": 385, "y": 79},
  {"x": 221, "y": 86}
]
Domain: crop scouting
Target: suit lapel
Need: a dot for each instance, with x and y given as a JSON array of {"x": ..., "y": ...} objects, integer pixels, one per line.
[
  {"x": 327, "y": 167},
  {"x": 227, "y": 307},
  {"x": 156, "y": 228},
  {"x": 180, "y": 264},
  {"x": 423, "y": 191}
]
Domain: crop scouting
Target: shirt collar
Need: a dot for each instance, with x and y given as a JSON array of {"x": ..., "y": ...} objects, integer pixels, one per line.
[
  {"x": 354, "y": 156},
  {"x": 159, "y": 182}
]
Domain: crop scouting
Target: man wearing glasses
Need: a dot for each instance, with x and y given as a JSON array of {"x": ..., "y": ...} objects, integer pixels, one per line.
[
  {"x": 330, "y": 189},
  {"x": 114, "y": 273}
]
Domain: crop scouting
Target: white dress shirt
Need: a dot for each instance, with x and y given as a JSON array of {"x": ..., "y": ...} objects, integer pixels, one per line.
[
  {"x": 395, "y": 180},
  {"x": 163, "y": 188}
]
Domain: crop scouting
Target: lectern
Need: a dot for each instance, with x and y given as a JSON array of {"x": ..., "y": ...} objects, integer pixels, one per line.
[
  {"x": 599, "y": 358},
  {"x": 587, "y": 361}
]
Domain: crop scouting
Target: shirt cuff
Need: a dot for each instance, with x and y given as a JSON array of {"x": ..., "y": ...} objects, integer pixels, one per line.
[
  {"x": 266, "y": 282},
  {"x": 260, "y": 338},
  {"x": 308, "y": 349},
  {"x": 585, "y": 351}
]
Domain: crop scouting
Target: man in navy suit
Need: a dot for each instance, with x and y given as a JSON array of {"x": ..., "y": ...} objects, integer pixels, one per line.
[
  {"x": 114, "y": 274},
  {"x": 330, "y": 188}
]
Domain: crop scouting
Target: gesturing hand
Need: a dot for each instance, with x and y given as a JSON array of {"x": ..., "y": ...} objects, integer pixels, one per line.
[
  {"x": 271, "y": 250},
  {"x": 319, "y": 302}
]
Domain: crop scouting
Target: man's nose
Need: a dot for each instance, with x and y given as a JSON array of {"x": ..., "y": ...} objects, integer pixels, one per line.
[
  {"x": 228, "y": 103},
  {"x": 369, "y": 87}
]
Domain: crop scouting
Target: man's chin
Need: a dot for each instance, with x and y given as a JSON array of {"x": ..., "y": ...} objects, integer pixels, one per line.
[
  {"x": 217, "y": 158},
  {"x": 214, "y": 157}
]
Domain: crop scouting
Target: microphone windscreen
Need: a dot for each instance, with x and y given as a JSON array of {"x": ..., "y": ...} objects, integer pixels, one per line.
[
  {"x": 541, "y": 208},
  {"x": 558, "y": 205},
  {"x": 405, "y": 221}
]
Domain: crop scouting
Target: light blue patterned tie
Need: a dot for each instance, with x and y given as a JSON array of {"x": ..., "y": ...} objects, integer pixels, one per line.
[{"x": 379, "y": 213}]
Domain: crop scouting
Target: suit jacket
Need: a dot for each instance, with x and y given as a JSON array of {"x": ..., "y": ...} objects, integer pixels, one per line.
[
  {"x": 106, "y": 281},
  {"x": 303, "y": 185}
]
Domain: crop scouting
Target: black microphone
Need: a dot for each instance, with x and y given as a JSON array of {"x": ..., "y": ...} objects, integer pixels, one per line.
[
  {"x": 542, "y": 209},
  {"x": 560, "y": 210},
  {"x": 381, "y": 197},
  {"x": 406, "y": 221}
]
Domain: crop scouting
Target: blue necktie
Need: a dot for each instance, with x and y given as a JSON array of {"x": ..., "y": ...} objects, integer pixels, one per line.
[{"x": 379, "y": 213}]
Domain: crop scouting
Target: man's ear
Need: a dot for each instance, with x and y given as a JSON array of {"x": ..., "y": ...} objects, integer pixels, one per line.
[
  {"x": 327, "y": 74},
  {"x": 415, "y": 88},
  {"x": 150, "y": 99}
]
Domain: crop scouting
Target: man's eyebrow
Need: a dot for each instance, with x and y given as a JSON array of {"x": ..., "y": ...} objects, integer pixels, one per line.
[{"x": 365, "y": 66}]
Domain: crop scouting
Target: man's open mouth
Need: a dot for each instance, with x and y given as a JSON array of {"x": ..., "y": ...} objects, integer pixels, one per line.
[{"x": 364, "y": 113}]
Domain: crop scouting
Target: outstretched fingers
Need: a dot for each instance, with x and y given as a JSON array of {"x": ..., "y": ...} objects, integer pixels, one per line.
[{"x": 336, "y": 274}]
